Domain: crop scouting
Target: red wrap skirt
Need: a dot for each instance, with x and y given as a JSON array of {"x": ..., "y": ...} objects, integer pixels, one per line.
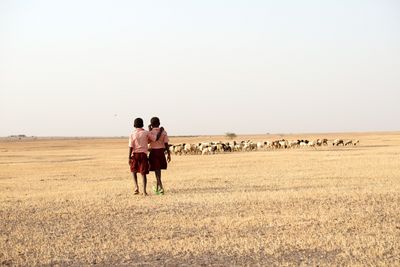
[
  {"x": 157, "y": 160},
  {"x": 139, "y": 163}
]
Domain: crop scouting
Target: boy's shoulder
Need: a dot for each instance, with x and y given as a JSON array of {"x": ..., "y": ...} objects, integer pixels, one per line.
[
  {"x": 138, "y": 132},
  {"x": 155, "y": 130}
]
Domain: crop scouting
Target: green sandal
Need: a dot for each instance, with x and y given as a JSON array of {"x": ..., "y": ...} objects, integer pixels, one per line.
[{"x": 160, "y": 192}]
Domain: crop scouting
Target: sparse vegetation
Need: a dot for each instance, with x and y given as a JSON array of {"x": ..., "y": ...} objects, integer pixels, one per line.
[
  {"x": 19, "y": 136},
  {"x": 71, "y": 202},
  {"x": 230, "y": 135}
]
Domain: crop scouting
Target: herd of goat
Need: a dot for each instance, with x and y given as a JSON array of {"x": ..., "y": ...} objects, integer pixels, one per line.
[{"x": 208, "y": 148}]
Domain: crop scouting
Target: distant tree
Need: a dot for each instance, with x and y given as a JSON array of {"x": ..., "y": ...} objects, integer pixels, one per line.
[{"x": 230, "y": 135}]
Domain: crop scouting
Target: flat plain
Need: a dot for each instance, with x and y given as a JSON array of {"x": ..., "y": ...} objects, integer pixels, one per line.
[{"x": 70, "y": 202}]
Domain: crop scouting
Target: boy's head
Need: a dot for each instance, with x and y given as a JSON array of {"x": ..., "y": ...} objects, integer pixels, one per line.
[
  {"x": 138, "y": 123},
  {"x": 155, "y": 122}
]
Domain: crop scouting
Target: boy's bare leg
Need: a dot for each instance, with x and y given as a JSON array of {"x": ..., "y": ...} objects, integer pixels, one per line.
[
  {"x": 144, "y": 178},
  {"x": 134, "y": 174},
  {"x": 158, "y": 177}
]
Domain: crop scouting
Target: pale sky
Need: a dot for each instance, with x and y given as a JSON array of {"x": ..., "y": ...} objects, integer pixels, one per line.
[{"x": 88, "y": 68}]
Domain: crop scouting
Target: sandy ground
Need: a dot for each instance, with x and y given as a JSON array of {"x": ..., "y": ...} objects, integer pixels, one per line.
[{"x": 71, "y": 202}]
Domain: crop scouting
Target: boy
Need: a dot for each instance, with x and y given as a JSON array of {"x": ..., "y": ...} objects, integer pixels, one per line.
[
  {"x": 138, "y": 162},
  {"x": 157, "y": 153}
]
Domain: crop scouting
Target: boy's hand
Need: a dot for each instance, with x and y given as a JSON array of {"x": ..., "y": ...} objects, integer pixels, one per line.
[{"x": 130, "y": 155}]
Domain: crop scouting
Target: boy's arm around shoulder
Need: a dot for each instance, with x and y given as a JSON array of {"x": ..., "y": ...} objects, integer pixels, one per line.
[{"x": 151, "y": 136}]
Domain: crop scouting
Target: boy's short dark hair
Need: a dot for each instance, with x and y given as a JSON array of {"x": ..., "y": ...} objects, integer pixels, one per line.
[
  {"x": 138, "y": 123},
  {"x": 155, "y": 122}
]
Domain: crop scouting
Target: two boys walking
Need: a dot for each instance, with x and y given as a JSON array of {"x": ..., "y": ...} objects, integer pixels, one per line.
[{"x": 138, "y": 148}]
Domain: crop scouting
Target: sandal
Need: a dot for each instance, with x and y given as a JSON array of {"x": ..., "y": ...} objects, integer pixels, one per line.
[{"x": 160, "y": 192}]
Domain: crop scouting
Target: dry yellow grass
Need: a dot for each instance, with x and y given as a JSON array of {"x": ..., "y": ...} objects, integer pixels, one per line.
[{"x": 71, "y": 202}]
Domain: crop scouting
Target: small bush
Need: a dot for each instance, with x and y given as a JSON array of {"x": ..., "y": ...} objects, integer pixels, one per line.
[{"x": 230, "y": 135}]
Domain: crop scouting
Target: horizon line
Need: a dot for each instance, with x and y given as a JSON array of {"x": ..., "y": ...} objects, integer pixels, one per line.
[{"x": 194, "y": 135}]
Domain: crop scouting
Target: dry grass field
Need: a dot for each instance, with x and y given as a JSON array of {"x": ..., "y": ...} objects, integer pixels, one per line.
[{"x": 71, "y": 202}]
